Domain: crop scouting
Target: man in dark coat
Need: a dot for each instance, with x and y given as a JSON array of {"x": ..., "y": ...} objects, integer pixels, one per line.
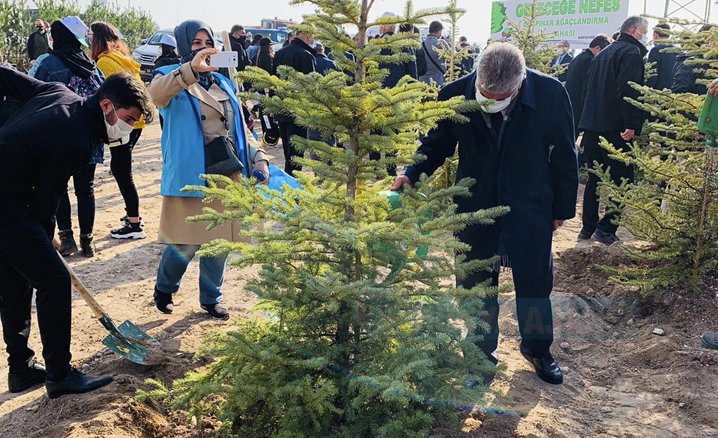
[
  {"x": 665, "y": 62},
  {"x": 37, "y": 43},
  {"x": 49, "y": 138},
  {"x": 324, "y": 63},
  {"x": 521, "y": 151},
  {"x": 396, "y": 71},
  {"x": 560, "y": 61},
  {"x": 688, "y": 70},
  {"x": 237, "y": 38},
  {"x": 300, "y": 56},
  {"x": 607, "y": 114},
  {"x": 577, "y": 75}
]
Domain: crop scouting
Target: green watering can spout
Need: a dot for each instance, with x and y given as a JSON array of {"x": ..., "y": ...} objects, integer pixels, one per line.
[{"x": 708, "y": 121}]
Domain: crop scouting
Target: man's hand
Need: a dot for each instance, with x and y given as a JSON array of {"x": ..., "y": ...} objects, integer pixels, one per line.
[
  {"x": 200, "y": 63},
  {"x": 263, "y": 166},
  {"x": 557, "y": 223},
  {"x": 713, "y": 89},
  {"x": 628, "y": 134},
  {"x": 56, "y": 244},
  {"x": 400, "y": 182}
]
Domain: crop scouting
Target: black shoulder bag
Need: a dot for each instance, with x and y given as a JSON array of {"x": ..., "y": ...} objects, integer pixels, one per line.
[{"x": 220, "y": 154}]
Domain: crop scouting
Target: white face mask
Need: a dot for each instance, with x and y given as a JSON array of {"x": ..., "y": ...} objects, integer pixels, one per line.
[
  {"x": 118, "y": 130},
  {"x": 494, "y": 106},
  {"x": 644, "y": 39}
]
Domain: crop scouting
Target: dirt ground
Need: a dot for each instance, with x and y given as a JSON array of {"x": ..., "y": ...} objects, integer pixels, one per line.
[{"x": 621, "y": 380}]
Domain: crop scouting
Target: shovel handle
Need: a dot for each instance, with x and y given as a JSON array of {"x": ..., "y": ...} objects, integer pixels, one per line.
[{"x": 82, "y": 290}]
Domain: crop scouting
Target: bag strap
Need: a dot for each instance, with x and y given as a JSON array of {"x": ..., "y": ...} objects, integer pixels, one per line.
[{"x": 431, "y": 58}]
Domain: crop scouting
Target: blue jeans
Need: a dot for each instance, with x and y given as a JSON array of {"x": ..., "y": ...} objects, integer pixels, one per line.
[{"x": 174, "y": 263}]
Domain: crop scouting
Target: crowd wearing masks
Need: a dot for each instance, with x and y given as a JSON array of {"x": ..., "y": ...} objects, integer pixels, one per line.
[{"x": 85, "y": 90}]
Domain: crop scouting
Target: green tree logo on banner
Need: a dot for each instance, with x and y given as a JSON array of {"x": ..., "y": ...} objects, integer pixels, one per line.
[{"x": 498, "y": 17}]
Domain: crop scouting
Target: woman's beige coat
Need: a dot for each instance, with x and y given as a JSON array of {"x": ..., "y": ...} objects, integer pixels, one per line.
[{"x": 174, "y": 227}]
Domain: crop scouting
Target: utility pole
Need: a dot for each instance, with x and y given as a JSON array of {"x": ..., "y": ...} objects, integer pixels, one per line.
[{"x": 691, "y": 10}]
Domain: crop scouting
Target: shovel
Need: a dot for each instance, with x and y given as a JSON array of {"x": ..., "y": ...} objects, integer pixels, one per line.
[{"x": 127, "y": 340}]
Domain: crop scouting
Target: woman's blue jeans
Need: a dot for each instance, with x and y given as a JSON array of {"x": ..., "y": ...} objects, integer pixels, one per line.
[{"x": 174, "y": 263}]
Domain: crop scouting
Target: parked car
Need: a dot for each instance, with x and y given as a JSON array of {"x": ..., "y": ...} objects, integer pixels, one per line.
[
  {"x": 147, "y": 53},
  {"x": 278, "y": 36},
  {"x": 149, "y": 50}
]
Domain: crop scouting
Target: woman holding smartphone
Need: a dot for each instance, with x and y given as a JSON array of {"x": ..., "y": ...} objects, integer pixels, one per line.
[{"x": 200, "y": 109}]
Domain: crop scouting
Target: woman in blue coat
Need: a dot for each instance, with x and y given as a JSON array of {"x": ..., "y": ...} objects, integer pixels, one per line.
[
  {"x": 520, "y": 150},
  {"x": 198, "y": 106}
]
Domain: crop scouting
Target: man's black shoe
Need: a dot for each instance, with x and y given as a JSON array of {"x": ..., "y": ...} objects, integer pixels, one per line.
[
  {"x": 34, "y": 374},
  {"x": 546, "y": 368},
  {"x": 163, "y": 302},
  {"x": 584, "y": 235},
  {"x": 75, "y": 383},
  {"x": 605, "y": 237}
]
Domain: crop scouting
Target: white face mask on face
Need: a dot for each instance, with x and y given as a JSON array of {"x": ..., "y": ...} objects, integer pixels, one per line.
[
  {"x": 119, "y": 130},
  {"x": 644, "y": 39},
  {"x": 494, "y": 106}
]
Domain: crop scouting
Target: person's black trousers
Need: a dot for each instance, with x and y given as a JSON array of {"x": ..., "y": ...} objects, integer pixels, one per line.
[
  {"x": 84, "y": 182},
  {"x": 533, "y": 308},
  {"x": 28, "y": 260},
  {"x": 619, "y": 171},
  {"x": 121, "y": 166},
  {"x": 287, "y": 130}
]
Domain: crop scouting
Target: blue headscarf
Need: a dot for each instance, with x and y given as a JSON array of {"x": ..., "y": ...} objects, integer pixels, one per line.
[{"x": 184, "y": 34}]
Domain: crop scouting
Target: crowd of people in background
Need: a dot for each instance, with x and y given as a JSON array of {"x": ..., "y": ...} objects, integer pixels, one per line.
[{"x": 200, "y": 113}]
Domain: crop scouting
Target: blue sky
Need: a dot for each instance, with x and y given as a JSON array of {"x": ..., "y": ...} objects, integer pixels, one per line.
[{"x": 222, "y": 14}]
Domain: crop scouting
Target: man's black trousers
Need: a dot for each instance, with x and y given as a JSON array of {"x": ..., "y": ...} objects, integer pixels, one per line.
[
  {"x": 28, "y": 260},
  {"x": 619, "y": 171},
  {"x": 287, "y": 130},
  {"x": 533, "y": 306}
]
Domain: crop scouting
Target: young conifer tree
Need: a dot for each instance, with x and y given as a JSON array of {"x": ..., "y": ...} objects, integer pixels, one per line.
[
  {"x": 366, "y": 334},
  {"x": 672, "y": 205}
]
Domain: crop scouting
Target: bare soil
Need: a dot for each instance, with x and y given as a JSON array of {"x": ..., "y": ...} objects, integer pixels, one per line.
[{"x": 621, "y": 380}]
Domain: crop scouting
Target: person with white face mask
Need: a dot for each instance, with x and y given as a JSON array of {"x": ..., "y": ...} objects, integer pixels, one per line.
[
  {"x": 49, "y": 138},
  {"x": 520, "y": 150},
  {"x": 607, "y": 113}
]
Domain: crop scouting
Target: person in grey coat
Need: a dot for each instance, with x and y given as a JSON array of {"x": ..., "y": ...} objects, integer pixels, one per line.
[{"x": 435, "y": 67}]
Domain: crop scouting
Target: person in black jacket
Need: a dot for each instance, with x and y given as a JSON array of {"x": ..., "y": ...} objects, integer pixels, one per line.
[
  {"x": 505, "y": 147},
  {"x": 237, "y": 39},
  {"x": 421, "y": 66},
  {"x": 298, "y": 55},
  {"x": 37, "y": 43},
  {"x": 396, "y": 71},
  {"x": 665, "y": 62},
  {"x": 563, "y": 58},
  {"x": 686, "y": 73},
  {"x": 577, "y": 75},
  {"x": 47, "y": 140},
  {"x": 607, "y": 114}
]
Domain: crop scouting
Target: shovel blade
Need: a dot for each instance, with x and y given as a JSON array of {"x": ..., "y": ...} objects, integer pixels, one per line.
[{"x": 132, "y": 343}]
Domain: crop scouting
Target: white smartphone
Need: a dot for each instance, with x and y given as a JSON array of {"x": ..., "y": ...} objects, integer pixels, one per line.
[{"x": 223, "y": 59}]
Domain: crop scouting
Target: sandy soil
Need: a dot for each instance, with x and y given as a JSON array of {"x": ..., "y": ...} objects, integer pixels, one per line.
[{"x": 621, "y": 380}]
